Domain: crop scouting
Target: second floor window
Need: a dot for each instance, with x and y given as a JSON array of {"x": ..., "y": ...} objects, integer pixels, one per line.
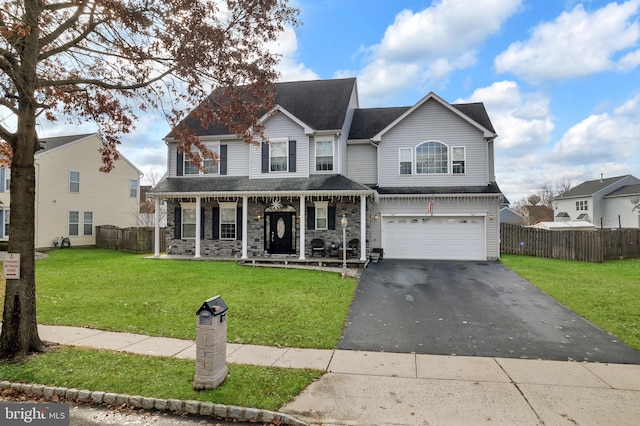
[
  {"x": 278, "y": 156},
  {"x": 74, "y": 181},
  {"x": 210, "y": 167},
  {"x": 457, "y": 160},
  {"x": 5, "y": 179},
  {"x": 582, "y": 205},
  {"x": 133, "y": 188},
  {"x": 431, "y": 158},
  {"x": 406, "y": 162},
  {"x": 324, "y": 155}
]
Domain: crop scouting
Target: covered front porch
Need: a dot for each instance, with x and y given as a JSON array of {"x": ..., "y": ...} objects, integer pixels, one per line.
[{"x": 265, "y": 225}]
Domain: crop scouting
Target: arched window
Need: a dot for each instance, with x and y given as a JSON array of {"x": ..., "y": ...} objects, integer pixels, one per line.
[{"x": 432, "y": 157}]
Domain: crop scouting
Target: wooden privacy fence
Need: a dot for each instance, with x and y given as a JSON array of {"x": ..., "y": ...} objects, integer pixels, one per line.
[
  {"x": 135, "y": 240},
  {"x": 585, "y": 246}
]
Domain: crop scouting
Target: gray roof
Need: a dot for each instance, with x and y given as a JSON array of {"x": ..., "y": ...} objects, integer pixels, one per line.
[
  {"x": 368, "y": 122},
  {"x": 242, "y": 185},
  {"x": 624, "y": 191},
  {"x": 590, "y": 187},
  {"x": 492, "y": 188},
  {"x": 321, "y": 104},
  {"x": 51, "y": 143}
]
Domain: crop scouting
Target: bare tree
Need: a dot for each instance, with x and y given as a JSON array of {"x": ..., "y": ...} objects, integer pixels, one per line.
[{"x": 105, "y": 61}]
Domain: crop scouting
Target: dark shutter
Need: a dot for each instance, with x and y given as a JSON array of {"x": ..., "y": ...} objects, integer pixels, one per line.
[
  {"x": 332, "y": 217},
  {"x": 239, "y": 223},
  {"x": 177, "y": 223},
  {"x": 216, "y": 223},
  {"x": 179, "y": 164},
  {"x": 311, "y": 217},
  {"x": 223, "y": 159},
  {"x": 202, "y": 223},
  {"x": 265, "y": 158},
  {"x": 292, "y": 156}
]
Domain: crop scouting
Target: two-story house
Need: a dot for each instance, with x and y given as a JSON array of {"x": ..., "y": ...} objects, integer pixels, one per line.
[
  {"x": 605, "y": 202},
  {"x": 72, "y": 195},
  {"x": 417, "y": 182}
]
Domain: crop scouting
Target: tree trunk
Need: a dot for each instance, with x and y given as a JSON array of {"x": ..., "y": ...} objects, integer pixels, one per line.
[{"x": 19, "y": 324}]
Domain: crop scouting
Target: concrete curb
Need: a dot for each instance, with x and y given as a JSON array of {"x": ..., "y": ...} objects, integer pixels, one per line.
[{"x": 219, "y": 411}]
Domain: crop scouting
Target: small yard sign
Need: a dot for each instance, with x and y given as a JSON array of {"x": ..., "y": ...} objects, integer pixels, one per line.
[{"x": 11, "y": 266}]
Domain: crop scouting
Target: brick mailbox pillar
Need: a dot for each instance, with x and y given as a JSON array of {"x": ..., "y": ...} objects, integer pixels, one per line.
[{"x": 211, "y": 344}]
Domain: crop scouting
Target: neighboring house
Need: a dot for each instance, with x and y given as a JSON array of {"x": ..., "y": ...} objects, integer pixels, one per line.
[
  {"x": 605, "y": 202},
  {"x": 538, "y": 214},
  {"x": 148, "y": 210},
  {"x": 72, "y": 195},
  {"x": 510, "y": 216},
  {"x": 417, "y": 182}
]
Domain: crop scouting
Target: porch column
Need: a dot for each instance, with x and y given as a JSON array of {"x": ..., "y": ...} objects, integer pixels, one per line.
[
  {"x": 156, "y": 224},
  {"x": 198, "y": 230},
  {"x": 245, "y": 225},
  {"x": 363, "y": 228},
  {"x": 303, "y": 222}
]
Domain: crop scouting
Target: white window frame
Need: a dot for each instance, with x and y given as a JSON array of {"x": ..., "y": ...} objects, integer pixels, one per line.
[
  {"x": 191, "y": 225},
  {"x": 71, "y": 223},
  {"x": 209, "y": 168},
  {"x": 73, "y": 182},
  {"x": 322, "y": 214},
  {"x": 445, "y": 161},
  {"x": 286, "y": 156},
  {"x": 86, "y": 223},
  {"x": 464, "y": 160},
  {"x": 319, "y": 167},
  {"x": 228, "y": 224},
  {"x": 6, "y": 222},
  {"x": 133, "y": 188},
  {"x": 400, "y": 151}
]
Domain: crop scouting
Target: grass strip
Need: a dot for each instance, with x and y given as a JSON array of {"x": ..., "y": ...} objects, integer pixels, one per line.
[
  {"x": 607, "y": 294},
  {"x": 266, "y": 388}
]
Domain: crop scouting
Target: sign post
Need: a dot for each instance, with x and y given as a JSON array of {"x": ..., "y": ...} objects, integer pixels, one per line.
[{"x": 11, "y": 266}]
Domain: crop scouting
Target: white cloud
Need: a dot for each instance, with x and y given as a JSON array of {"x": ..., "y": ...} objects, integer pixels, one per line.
[
  {"x": 287, "y": 46},
  {"x": 600, "y": 138},
  {"x": 424, "y": 47},
  {"x": 522, "y": 120},
  {"x": 577, "y": 43}
]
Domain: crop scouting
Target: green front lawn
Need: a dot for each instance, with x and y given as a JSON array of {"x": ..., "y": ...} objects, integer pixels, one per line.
[
  {"x": 110, "y": 290},
  {"x": 607, "y": 294}
]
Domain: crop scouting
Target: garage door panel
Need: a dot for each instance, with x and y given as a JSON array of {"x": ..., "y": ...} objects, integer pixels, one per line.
[{"x": 460, "y": 238}]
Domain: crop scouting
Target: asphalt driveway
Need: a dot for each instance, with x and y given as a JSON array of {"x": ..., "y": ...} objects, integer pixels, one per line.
[{"x": 472, "y": 309}]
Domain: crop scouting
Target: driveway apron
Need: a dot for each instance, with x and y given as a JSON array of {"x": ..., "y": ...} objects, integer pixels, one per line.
[{"x": 469, "y": 309}]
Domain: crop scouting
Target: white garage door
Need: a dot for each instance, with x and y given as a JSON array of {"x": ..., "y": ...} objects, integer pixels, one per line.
[{"x": 455, "y": 238}]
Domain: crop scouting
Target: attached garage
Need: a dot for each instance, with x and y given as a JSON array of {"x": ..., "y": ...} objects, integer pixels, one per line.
[{"x": 434, "y": 237}]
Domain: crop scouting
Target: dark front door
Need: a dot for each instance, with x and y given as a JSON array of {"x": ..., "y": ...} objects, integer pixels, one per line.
[{"x": 280, "y": 233}]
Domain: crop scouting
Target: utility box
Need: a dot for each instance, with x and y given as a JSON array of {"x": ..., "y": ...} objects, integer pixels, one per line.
[{"x": 211, "y": 344}]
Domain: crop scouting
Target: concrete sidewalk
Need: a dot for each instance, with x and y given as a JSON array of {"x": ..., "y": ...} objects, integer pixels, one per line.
[{"x": 379, "y": 388}]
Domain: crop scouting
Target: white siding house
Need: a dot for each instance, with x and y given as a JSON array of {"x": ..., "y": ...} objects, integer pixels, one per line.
[{"x": 73, "y": 196}]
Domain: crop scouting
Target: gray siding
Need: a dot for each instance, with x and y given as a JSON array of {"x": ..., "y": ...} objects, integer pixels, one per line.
[
  {"x": 441, "y": 207},
  {"x": 280, "y": 126},
  {"x": 362, "y": 163},
  {"x": 432, "y": 121}
]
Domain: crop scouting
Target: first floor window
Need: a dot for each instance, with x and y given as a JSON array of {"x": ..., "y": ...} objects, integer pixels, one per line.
[
  {"x": 188, "y": 222},
  {"x": 88, "y": 223},
  {"x": 458, "y": 160},
  {"x": 74, "y": 222},
  {"x": 227, "y": 221},
  {"x": 322, "y": 215},
  {"x": 406, "y": 162},
  {"x": 6, "y": 223},
  {"x": 324, "y": 155}
]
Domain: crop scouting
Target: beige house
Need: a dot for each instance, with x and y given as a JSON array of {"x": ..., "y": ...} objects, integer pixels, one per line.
[{"x": 72, "y": 195}]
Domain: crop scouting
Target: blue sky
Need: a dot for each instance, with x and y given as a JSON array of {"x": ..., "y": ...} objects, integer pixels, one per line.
[{"x": 559, "y": 79}]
